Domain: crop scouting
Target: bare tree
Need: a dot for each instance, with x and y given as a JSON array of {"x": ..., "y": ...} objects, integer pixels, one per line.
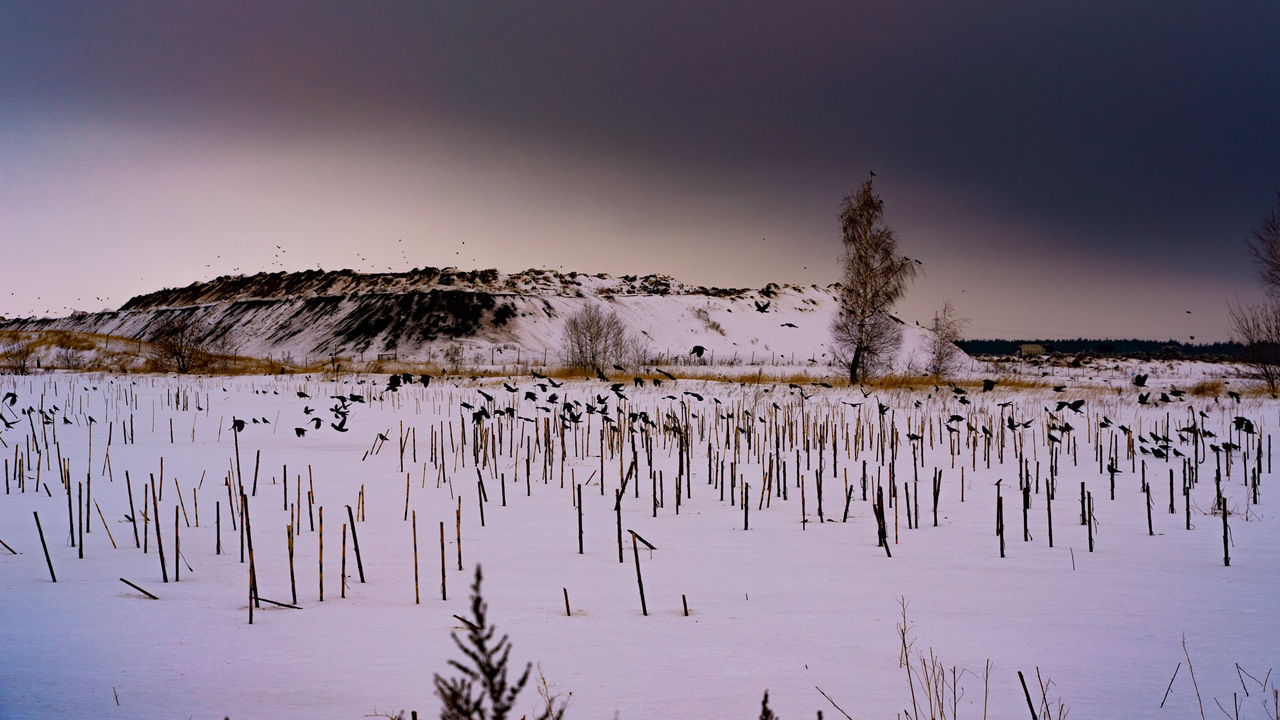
[
  {"x": 875, "y": 277},
  {"x": 18, "y": 353},
  {"x": 1257, "y": 328},
  {"x": 944, "y": 356},
  {"x": 596, "y": 339},
  {"x": 1264, "y": 247},
  {"x": 178, "y": 344}
]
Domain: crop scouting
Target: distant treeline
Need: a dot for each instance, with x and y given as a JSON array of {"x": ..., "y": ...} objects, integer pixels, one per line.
[{"x": 1121, "y": 348}]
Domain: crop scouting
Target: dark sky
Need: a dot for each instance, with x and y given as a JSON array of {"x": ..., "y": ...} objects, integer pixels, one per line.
[{"x": 1064, "y": 169}]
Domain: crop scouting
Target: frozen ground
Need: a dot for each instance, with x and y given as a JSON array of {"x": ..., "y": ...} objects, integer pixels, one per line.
[{"x": 789, "y": 605}]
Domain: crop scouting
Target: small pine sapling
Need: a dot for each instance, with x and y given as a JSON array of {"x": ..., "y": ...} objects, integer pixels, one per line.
[{"x": 487, "y": 668}]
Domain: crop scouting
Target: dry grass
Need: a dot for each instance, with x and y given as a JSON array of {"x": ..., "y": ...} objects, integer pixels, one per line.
[{"x": 1207, "y": 388}]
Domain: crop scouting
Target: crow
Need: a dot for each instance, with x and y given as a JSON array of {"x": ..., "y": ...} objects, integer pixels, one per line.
[
  {"x": 821, "y": 384},
  {"x": 300, "y": 431},
  {"x": 1234, "y": 396},
  {"x": 1143, "y": 398},
  {"x": 1140, "y": 380},
  {"x": 10, "y": 398},
  {"x": 988, "y": 385},
  {"x": 237, "y": 425},
  {"x": 790, "y": 325},
  {"x": 318, "y": 422},
  {"x": 509, "y": 388},
  {"x": 693, "y": 395},
  {"x": 302, "y": 394},
  {"x": 697, "y": 351},
  {"x": 668, "y": 375},
  {"x": 601, "y": 376},
  {"x": 763, "y": 307},
  {"x": 1059, "y": 388},
  {"x": 485, "y": 395}
]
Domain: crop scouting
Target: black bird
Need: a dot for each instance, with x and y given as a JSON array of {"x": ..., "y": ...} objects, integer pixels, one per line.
[
  {"x": 1243, "y": 424},
  {"x": 1143, "y": 398},
  {"x": 537, "y": 374},
  {"x": 425, "y": 380},
  {"x": 554, "y": 384},
  {"x": 1140, "y": 380},
  {"x": 666, "y": 374},
  {"x": 763, "y": 307},
  {"x": 697, "y": 351},
  {"x": 693, "y": 395},
  {"x": 1059, "y": 388},
  {"x": 618, "y": 367},
  {"x": 318, "y": 422},
  {"x": 485, "y": 395},
  {"x": 237, "y": 425},
  {"x": 300, "y": 431},
  {"x": 1234, "y": 395},
  {"x": 10, "y": 398},
  {"x": 821, "y": 384},
  {"x": 509, "y": 388},
  {"x": 788, "y": 325},
  {"x": 601, "y": 376}
]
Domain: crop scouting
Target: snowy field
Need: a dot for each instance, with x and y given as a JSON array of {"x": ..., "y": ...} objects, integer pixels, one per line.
[{"x": 802, "y": 599}]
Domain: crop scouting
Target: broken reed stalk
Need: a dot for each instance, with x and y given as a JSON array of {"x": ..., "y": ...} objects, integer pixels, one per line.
[
  {"x": 248, "y": 533},
  {"x": 293, "y": 583},
  {"x": 47, "y": 559},
  {"x": 104, "y": 525},
  {"x": 320, "y": 539},
  {"x": 567, "y": 612},
  {"x": 444, "y": 594},
  {"x": 342, "y": 574},
  {"x": 133, "y": 516},
  {"x": 355, "y": 544},
  {"x": 135, "y": 587},
  {"x": 177, "y": 544},
  {"x": 644, "y": 609},
  {"x": 1030, "y": 705},
  {"x": 416, "y": 597},
  {"x": 155, "y": 509}
]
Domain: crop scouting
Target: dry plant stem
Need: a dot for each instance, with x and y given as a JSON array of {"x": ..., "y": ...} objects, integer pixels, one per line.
[
  {"x": 833, "y": 702},
  {"x": 1192, "y": 670}
]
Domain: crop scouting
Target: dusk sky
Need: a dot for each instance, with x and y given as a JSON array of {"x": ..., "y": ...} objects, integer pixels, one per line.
[{"x": 1062, "y": 169}]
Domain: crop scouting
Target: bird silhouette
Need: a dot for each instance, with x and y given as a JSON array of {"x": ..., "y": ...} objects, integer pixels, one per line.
[
  {"x": 1140, "y": 380},
  {"x": 697, "y": 351},
  {"x": 763, "y": 307},
  {"x": 787, "y": 324}
]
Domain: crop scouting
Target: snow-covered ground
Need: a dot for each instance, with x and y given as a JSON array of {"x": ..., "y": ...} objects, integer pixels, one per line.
[{"x": 789, "y": 605}]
